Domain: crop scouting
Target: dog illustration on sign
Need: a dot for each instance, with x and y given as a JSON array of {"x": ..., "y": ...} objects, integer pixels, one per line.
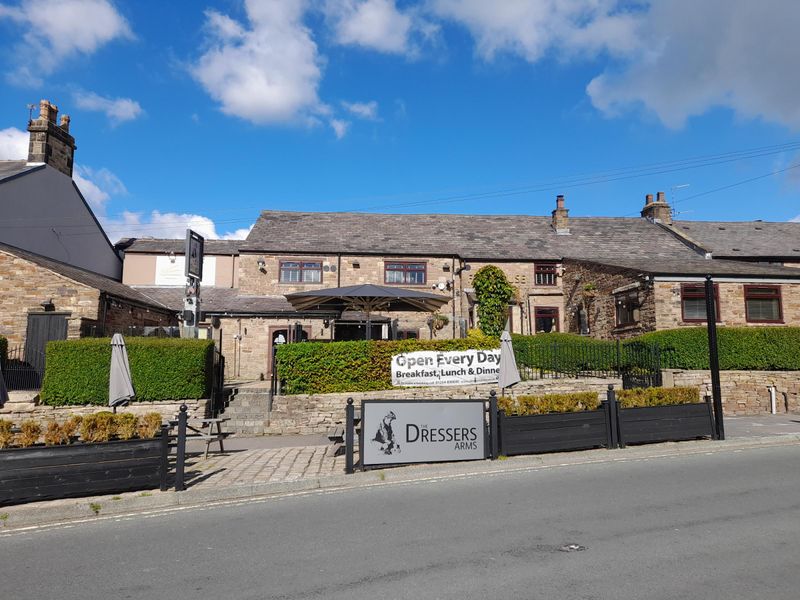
[{"x": 385, "y": 435}]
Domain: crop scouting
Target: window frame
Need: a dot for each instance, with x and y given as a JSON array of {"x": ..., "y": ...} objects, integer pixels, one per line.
[
  {"x": 405, "y": 270},
  {"x": 624, "y": 299},
  {"x": 700, "y": 294},
  {"x": 546, "y": 269},
  {"x": 301, "y": 269},
  {"x": 554, "y": 314},
  {"x": 749, "y": 295}
]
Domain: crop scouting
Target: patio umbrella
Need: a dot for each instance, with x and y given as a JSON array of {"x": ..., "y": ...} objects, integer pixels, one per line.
[
  {"x": 120, "y": 385},
  {"x": 367, "y": 298},
  {"x": 3, "y": 390},
  {"x": 509, "y": 374}
]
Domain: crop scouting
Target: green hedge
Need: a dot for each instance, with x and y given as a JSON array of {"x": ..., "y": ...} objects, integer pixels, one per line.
[
  {"x": 740, "y": 348},
  {"x": 3, "y": 350},
  {"x": 77, "y": 371},
  {"x": 319, "y": 367},
  {"x": 638, "y": 397}
]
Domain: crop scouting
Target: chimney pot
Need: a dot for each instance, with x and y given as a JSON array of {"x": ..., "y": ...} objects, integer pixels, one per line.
[
  {"x": 648, "y": 199},
  {"x": 658, "y": 211},
  {"x": 50, "y": 143},
  {"x": 65, "y": 123},
  {"x": 560, "y": 201},
  {"x": 560, "y": 217},
  {"x": 660, "y": 197}
]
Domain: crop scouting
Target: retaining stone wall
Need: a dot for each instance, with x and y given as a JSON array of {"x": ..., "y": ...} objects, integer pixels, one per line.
[
  {"x": 317, "y": 413},
  {"x": 745, "y": 392}
]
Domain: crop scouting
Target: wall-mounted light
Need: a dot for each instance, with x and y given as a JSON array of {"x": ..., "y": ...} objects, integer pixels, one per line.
[
  {"x": 262, "y": 264},
  {"x": 462, "y": 268},
  {"x": 446, "y": 267},
  {"x": 172, "y": 257},
  {"x": 48, "y": 305},
  {"x": 326, "y": 323},
  {"x": 356, "y": 264}
]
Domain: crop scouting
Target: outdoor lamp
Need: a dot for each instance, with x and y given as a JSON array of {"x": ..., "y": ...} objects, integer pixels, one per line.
[{"x": 262, "y": 264}]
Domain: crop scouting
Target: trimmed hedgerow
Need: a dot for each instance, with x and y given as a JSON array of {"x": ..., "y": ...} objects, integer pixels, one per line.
[
  {"x": 363, "y": 366},
  {"x": 77, "y": 371},
  {"x": 657, "y": 396},
  {"x": 549, "y": 403},
  {"x": 740, "y": 348}
]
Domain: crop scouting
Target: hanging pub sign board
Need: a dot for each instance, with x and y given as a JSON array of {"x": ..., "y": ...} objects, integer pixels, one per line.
[
  {"x": 412, "y": 431},
  {"x": 194, "y": 254},
  {"x": 429, "y": 368}
]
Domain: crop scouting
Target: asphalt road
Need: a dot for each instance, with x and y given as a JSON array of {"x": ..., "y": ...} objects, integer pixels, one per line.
[{"x": 712, "y": 526}]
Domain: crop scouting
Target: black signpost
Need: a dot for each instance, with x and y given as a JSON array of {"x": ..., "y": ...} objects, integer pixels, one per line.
[
  {"x": 194, "y": 273},
  {"x": 713, "y": 357}
]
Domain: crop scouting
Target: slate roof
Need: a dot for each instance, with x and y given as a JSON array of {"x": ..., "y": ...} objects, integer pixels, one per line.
[
  {"x": 88, "y": 278},
  {"x": 165, "y": 246},
  {"x": 496, "y": 237},
  {"x": 10, "y": 168},
  {"x": 701, "y": 267},
  {"x": 741, "y": 239}
]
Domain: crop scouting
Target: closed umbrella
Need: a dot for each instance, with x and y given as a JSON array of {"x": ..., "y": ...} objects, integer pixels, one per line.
[
  {"x": 120, "y": 385},
  {"x": 509, "y": 374},
  {"x": 3, "y": 390}
]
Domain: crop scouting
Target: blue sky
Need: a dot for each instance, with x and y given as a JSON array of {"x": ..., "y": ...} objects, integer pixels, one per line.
[{"x": 204, "y": 113}]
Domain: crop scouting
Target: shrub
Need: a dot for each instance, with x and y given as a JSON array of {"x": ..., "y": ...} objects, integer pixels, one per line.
[
  {"x": 549, "y": 403},
  {"x": 126, "y": 425},
  {"x": 740, "y": 348},
  {"x": 70, "y": 426},
  {"x": 657, "y": 396},
  {"x": 99, "y": 427},
  {"x": 77, "y": 371},
  {"x": 6, "y": 437},
  {"x": 54, "y": 434},
  {"x": 318, "y": 368},
  {"x": 493, "y": 293},
  {"x": 149, "y": 425},
  {"x": 29, "y": 432}
]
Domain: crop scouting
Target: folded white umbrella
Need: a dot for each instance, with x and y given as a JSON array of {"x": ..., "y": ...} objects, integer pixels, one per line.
[
  {"x": 120, "y": 384},
  {"x": 509, "y": 374}
]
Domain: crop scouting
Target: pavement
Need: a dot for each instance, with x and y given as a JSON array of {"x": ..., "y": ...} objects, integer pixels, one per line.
[{"x": 273, "y": 465}]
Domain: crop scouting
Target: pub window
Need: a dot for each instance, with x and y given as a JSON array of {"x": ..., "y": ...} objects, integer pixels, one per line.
[
  {"x": 627, "y": 309},
  {"x": 545, "y": 319},
  {"x": 693, "y": 302},
  {"x": 545, "y": 274},
  {"x": 300, "y": 272},
  {"x": 405, "y": 273},
  {"x": 762, "y": 304}
]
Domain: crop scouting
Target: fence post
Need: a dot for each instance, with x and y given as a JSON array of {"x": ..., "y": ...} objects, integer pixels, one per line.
[
  {"x": 164, "y": 458},
  {"x": 493, "y": 426},
  {"x": 180, "y": 462},
  {"x": 349, "y": 434},
  {"x": 613, "y": 409}
]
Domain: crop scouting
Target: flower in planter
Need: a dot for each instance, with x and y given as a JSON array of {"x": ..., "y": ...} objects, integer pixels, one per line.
[{"x": 29, "y": 432}]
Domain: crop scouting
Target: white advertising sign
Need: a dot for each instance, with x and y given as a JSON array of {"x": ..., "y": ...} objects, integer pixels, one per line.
[
  {"x": 408, "y": 431},
  {"x": 428, "y": 367}
]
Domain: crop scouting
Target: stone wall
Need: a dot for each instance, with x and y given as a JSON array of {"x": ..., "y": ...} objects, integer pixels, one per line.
[
  {"x": 317, "y": 413},
  {"x": 590, "y": 286},
  {"x": 731, "y": 305},
  {"x": 744, "y": 392},
  {"x": 18, "y": 411}
]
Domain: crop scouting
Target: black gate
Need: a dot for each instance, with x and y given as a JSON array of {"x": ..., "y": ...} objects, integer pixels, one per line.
[{"x": 26, "y": 371}]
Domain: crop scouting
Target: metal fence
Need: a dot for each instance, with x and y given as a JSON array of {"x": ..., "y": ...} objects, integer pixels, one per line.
[
  {"x": 637, "y": 364},
  {"x": 23, "y": 370}
]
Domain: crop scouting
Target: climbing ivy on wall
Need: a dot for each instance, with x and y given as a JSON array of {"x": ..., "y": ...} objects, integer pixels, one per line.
[{"x": 493, "y": 293}]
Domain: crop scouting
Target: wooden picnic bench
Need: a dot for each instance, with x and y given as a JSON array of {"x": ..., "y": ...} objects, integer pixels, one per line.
[
  {"x": 207, "y": 430},
  {"x": 336, "y": 434}
]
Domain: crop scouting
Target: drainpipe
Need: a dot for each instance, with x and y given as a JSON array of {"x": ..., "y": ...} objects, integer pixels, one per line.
[
  {"x": 338, "y": 270},
  {"x": 104, "y": 299},
  {"x": 772, "y": 406},
  {"x": 453, "y": 275},
  {"x": 233, "y": 271}
]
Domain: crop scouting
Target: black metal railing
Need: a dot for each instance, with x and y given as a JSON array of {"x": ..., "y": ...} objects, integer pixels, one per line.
[
  {"x": 23, "y": 370},
  {"x": 637, "y": 364}
]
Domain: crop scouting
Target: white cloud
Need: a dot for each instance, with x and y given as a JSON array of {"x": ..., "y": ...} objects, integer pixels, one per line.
[
  {"x": 118, "y": 110},
  {"x": 13, "y": 144},
  {"x": 98, "y": 186},
  {"x": 736, "y": 54},
  {"x": 795, "y": 220},
  {"x": 56, "y": 30},
  {"x": 362, "y": 110},
  {"x": 266, "y": 71},
  {"x": 377, "y": 25},
  {"x": 339, "y": 127},
  {"x": 166, "y": 225},
  {"x": 534, "y": 29}
]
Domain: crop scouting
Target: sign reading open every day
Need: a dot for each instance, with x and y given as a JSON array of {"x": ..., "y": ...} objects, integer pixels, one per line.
[
  {"x": 445, "y": 368},
  {"x": 404, "y": 431}
]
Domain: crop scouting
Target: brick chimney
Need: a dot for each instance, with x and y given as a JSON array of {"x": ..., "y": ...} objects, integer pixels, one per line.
[
  {"x": 561, "y": 217},
  {"x": 658, "y": 211},
  {"x": 51, "y": 143}
]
